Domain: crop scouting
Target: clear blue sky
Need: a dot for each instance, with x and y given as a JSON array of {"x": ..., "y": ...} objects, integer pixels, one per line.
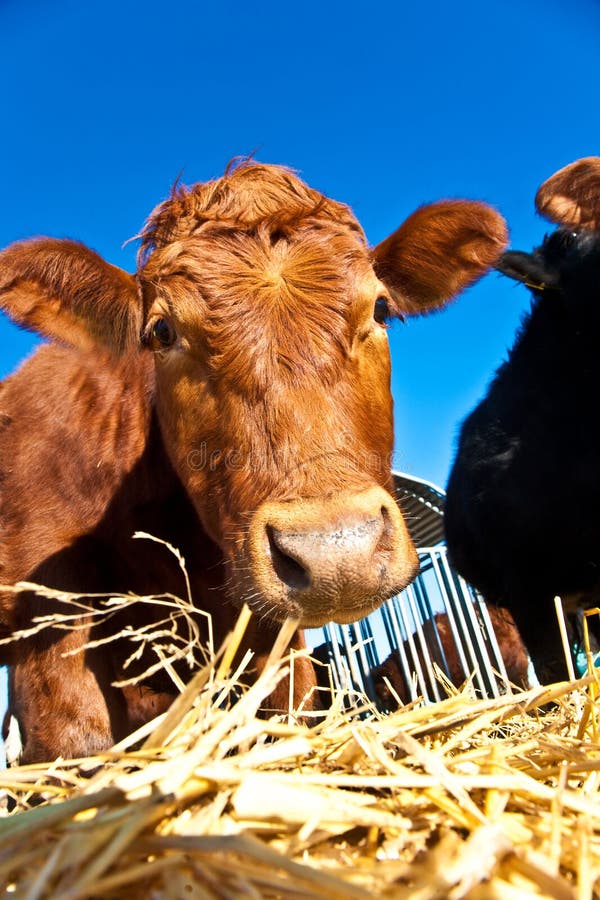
[{"x": 382, "y": 105}]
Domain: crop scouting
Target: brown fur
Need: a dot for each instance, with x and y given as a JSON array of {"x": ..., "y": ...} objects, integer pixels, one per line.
[{"x": 258, "y": 443}]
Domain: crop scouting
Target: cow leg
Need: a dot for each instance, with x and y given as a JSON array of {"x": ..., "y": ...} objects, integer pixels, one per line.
[
  {"x": 541, "y": 636},
  {"x": 64, "y": 706}
]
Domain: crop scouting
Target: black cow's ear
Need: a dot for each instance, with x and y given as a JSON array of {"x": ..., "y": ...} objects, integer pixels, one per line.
[
  {"x": 571, "y": 197},
  {"x": 526, "y": 268}
]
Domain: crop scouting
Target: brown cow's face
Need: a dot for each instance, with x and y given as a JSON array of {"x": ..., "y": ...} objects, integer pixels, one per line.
[
  {"x": 261, "y": 302},
  {"x": 273, "y": 391}
]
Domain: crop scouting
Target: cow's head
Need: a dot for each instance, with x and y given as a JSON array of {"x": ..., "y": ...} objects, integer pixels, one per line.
[{"x": 265, "y": 311}]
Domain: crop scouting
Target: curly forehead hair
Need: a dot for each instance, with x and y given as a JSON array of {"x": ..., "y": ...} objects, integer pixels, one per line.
[{"x": 248, "y": 195}]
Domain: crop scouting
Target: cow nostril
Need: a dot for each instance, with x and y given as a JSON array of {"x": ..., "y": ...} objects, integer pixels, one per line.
[
  {"x": 386, "y": 538},
  {"x": 288, "y": 570}
]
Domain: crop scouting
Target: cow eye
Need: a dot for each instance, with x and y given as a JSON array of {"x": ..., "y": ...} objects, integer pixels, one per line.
[
  {"x": 381, "y": 313},
  {"x": 568, "y": 239},
  {"x": 162, "y": 335}
]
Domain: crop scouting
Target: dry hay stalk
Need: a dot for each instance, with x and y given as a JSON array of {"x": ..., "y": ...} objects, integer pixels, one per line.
[{"x": 476, "y": 799}]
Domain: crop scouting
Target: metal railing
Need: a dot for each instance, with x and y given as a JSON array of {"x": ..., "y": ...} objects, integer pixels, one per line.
[{"x": 407, "y": 629}]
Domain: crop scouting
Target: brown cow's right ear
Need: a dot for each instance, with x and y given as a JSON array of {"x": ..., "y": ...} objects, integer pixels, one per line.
[
  {"x": 67, "y": 292},
  {"x": 441, "y": 249}
]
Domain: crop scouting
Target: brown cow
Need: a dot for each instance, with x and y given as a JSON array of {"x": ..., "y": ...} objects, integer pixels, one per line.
[
  {"x": 512, "y": 649},
  {"x": 233, "y": 398}
]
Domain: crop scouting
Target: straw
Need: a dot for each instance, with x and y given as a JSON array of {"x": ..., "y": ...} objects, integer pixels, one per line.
[{"x": 464, "y": 798}]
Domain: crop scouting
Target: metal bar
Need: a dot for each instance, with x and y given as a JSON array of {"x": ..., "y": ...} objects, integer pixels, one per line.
[
  {"x": 392, "y": 622},
  {"x": 368, "y": 642},
  {"x": 339, "y": 671},
  {"x": 472, "y": 635},
  {"x": 425, "y": 655},
  {"x": 360, "y": 650},
  {"x": 488, "y": 679},
  {"x": 451, "y": 618},
  {"x": 422, "y": 587},
  {"x": 355, "y": 675},
  {"x": 496, "y": 652},
  {"x": 370, "y": 653},
  {"x": 410, "y": 644}
]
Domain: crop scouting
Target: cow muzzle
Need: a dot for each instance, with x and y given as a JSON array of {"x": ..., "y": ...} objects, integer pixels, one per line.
[{"x": 328, "y": 560}]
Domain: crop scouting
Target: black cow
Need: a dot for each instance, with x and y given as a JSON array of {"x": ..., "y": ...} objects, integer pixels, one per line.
[{"x": 522, "y": 510}]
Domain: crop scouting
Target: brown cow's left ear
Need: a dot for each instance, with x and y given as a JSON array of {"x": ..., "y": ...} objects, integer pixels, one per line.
[
  {"x": 441, "y": 249},
  {"x": 67, "y": 292}
]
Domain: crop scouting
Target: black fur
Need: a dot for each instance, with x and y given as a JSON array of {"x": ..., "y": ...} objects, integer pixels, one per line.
[{"x": 523, "y": 504}]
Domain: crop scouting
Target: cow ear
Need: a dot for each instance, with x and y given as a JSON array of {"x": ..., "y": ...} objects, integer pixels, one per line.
[
  {"x": 65, "y": 291},
  {"x": 571, "y": 197},
  {"x": 441, "y": 249}
]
